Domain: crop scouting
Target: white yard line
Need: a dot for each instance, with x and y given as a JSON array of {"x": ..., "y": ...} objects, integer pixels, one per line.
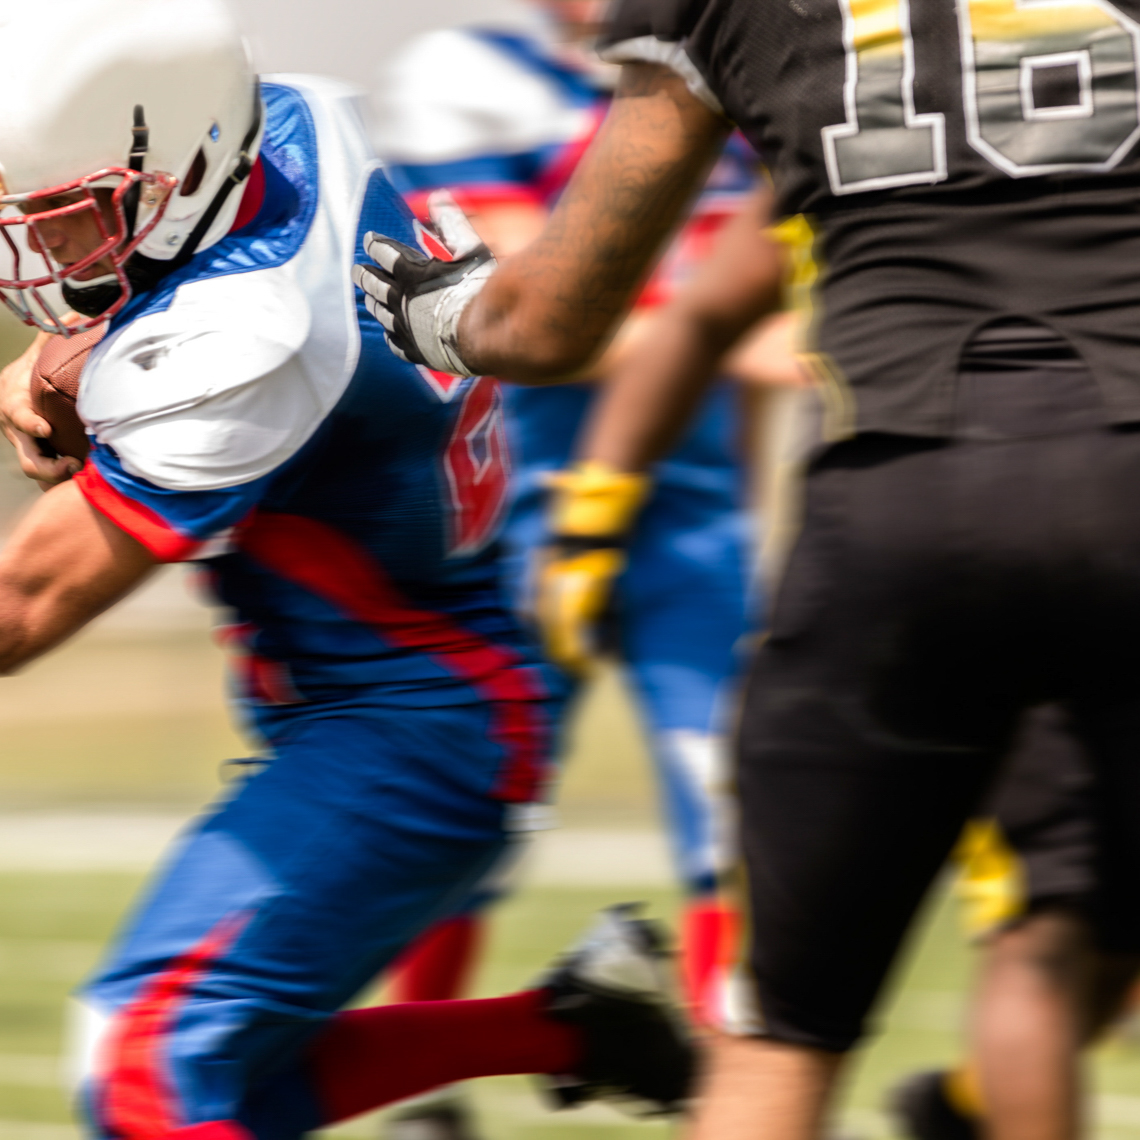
[
  {"x": 1114, "y": 1110},
  {"x": 131, "y": 841},
  {"x": 81, "y": 841}
]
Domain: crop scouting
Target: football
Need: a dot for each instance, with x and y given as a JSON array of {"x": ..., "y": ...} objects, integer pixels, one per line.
[{"x": 55, "y": 386}]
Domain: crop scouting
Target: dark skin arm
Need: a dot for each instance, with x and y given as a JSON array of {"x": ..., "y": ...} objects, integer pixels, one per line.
[
  {"x": 654, "y": 391},
  {"x": 65, "y": 564},
  {"x": 549, "y": 310}
]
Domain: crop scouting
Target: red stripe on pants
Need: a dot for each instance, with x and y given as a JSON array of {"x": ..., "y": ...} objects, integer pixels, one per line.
[{"x": 138, "y": 1101}]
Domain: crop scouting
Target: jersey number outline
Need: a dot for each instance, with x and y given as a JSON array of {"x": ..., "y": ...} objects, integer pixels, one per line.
[
  {"x": 1005, "y": 46},
  {"x": 884, "y": 142},
  {"x": 478, "y": 466}
]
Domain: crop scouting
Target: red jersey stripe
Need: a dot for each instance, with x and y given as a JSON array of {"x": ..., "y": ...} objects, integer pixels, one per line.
[
  {"x": 137, "y": 519},
  {"x": 329, "y": 563}
]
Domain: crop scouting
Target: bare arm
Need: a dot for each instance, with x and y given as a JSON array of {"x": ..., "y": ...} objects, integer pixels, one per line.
[
  {"x": 549, "y": 309},
  {"x": 64, "y": 565},
  {"x": 655, "y": 389},
  {"x": 507, "y": 230},
  {"x": 766, "y": 356}
]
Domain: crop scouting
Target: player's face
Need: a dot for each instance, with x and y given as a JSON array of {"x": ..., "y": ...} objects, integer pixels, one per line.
[
  {"x": 579, "y": 19},
  {"x": 72, "y": 237},
  {"x": 69, "y": 237}
]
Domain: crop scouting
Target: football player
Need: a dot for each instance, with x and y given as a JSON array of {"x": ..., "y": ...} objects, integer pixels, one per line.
[
  {"x": 499, "y": 119},
  {"x": 243, "y": 412},
  {"x": 505, "y": 143},
  {"x": 1031, "y": 881},
  {"x": 969, "y": 546}
]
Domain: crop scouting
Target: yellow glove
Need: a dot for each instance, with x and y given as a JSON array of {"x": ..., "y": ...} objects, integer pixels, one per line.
[{"x": 592, "y": 508}]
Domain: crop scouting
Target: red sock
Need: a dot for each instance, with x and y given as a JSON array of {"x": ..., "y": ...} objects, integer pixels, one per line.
[
  {"x": 372, "y": 1057},
  {"x": 438, "y": 965},
  {"x": 708, "y": 938}
]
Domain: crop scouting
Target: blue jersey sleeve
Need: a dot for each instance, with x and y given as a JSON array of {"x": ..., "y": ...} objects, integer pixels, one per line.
[{"x": 175, "y": 526}]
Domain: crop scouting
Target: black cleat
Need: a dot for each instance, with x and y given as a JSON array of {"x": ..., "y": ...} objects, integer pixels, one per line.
[
  {"x": 922, "y": 1111},
  {"x": 614, "y": 986}
]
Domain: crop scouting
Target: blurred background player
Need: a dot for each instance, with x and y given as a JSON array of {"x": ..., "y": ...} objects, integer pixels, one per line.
[
  {"x": 244, "y": 413},
  {"x": 499, "y": 119}
]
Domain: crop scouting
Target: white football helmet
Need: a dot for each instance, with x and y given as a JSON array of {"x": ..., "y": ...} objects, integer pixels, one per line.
[{"x": 152, "y": 101}]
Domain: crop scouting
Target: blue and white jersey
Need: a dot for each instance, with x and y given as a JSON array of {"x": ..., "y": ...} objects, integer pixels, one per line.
[
  {"x": 247, "y": 413},
  {"x": 495, "y": 116},
  {"x": 500, "y": 117}
]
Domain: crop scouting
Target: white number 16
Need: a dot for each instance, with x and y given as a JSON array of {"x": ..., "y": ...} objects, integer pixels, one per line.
[{"x": 1008, "y": 48}]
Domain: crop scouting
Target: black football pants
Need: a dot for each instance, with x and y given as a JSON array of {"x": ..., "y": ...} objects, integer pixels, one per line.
[{"x": 938, "y": 589}]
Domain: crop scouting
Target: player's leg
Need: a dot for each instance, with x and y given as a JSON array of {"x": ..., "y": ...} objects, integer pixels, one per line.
[
  {"x": 276, "y": 911},
  {"x": 1025, "y": 1027},
  {"x": 1045, "y": 992},
  {"x": 1027, "y": 880},
  {"x": 223, "y": 992},
  {"x": 684, "y": 612},
  {"x": 1043, "y": 995},
  {"x": 1076, "y": 967},
  {"x": 439, "y": 966},
  {"x": 875, "y": 713}
]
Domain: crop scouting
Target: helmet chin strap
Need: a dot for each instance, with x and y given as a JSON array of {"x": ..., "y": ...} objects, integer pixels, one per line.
[
  {"x": 143, "y": 273},
  {"x": 92, "y": 297}
]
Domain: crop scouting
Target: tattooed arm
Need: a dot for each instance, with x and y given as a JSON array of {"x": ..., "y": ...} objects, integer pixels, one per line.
[
  {"x": 547, "y": 312},
  {"x": 550, "y": 309},
  {"x": 657, "y": 388}
]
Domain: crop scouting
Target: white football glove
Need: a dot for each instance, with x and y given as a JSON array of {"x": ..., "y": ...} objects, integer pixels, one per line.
[{"x": 419, "y": 299}]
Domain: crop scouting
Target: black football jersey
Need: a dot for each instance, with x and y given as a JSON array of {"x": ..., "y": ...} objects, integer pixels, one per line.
[{"x": 960, "y": 162}]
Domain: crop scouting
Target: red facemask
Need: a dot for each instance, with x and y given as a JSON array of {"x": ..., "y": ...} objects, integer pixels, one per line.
[{"x": 21, "y": 285}]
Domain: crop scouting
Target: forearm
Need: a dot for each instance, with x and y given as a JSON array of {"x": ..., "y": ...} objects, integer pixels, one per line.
[
  {"x": 654, "y": 391},
  {"x": 648, "y": 401},
  {"x": 549, "y": 310},
  {"x": 64, "y": 565}
]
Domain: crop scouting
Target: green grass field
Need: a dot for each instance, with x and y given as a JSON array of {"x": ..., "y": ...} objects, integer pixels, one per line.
[
  {"x": 52, "y": 927},
  {"x": 130, "y": 718}
]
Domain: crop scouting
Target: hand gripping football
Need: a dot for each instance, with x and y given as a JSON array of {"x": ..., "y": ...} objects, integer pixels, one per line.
[{"x": 55, "y": 386}]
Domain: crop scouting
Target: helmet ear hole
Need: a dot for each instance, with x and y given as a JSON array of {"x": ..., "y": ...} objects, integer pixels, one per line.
[{"x": 194, "y": 175}]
